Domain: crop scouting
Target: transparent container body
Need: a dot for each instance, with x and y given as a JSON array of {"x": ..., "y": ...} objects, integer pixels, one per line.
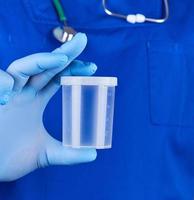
[{"x": 88, "y": 116}]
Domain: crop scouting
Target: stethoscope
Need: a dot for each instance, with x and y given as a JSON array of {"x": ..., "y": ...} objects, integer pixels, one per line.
[{"x": 66, "y": 33}]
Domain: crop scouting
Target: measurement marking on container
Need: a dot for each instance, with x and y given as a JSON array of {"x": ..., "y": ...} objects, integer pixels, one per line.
[{"x": 101, "y": 116}]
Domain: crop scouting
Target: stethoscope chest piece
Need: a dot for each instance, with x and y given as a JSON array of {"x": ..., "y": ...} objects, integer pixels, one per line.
[{"x": 64, "y": 34}]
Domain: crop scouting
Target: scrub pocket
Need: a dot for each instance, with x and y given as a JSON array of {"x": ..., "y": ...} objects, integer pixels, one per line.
[{"x": 171, "y": 83}]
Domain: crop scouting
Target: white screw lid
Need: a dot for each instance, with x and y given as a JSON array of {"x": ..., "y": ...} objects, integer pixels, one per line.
[{"x": 89, "y": 80}]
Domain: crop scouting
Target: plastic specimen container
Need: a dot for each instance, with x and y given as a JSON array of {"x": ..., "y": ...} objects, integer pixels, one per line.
[{"x": 88, "y": 109}]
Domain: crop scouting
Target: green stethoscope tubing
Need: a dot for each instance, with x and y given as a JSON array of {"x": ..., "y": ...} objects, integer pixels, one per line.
[{"x": 60, "y": 10}]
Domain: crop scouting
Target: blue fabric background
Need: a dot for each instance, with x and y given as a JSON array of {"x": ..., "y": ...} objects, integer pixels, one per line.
[{"x": 153, "y": 144}]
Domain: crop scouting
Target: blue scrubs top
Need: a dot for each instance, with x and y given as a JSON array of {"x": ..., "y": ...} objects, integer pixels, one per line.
[{"x": 153, "y": 145}]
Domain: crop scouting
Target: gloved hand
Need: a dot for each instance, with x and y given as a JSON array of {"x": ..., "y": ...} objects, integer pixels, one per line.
[{"x": 25, "y": 90}]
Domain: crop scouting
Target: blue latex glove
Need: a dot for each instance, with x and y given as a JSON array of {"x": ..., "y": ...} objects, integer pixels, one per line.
[{"x": 25, "y": 90}]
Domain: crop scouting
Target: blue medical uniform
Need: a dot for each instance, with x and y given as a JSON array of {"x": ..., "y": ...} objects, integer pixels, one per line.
[{"x": 153, "y": 145}]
